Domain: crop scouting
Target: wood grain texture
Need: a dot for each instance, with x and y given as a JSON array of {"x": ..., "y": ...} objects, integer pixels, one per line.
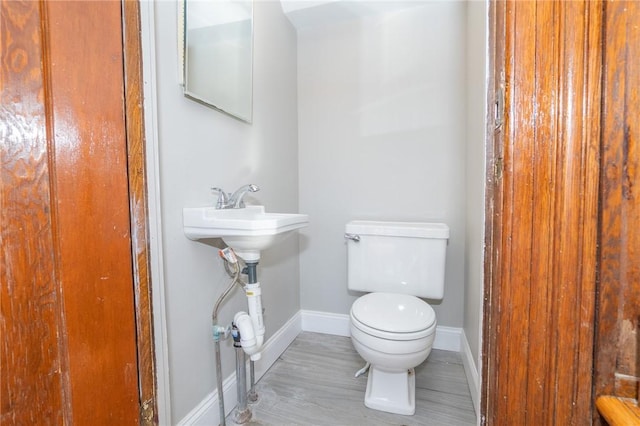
[
  {"x": 139, "y": 210},
  {"x": 69, "y": 328},
  {"x": 313, "y": 383},
  {"x": 541, "y": 294},
  {"x": 618, "y": 412},
  {"x": 617, "y": 366},
  {"x": 90, "y": 187},
  {"x": 31, "y": 350},
  {"x": 493, "y": 201}
]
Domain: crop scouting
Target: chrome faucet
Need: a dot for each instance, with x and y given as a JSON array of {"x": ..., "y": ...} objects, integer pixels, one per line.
[{"x": 235, "y": 200}]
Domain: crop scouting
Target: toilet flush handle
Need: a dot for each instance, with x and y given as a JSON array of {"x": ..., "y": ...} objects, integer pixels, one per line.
[{"x": 353, "y": 237}]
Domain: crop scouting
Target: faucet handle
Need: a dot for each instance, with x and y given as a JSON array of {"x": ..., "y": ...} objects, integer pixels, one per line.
[{"x": 223, "y": 198}]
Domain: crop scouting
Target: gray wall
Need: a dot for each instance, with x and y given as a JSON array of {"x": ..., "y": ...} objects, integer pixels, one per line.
[
  {"x": 378, "y": 118},
  {"x": 475, "y": 159},
  {"x": 200, "y": 148},
  {"x": 381, "y": 110}
]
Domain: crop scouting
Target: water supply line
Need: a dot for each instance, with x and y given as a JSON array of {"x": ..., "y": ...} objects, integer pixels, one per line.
[{"x": 220, "y": 331}]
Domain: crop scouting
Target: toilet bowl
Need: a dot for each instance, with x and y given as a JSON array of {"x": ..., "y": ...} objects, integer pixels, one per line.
[
  {"x": 395, "y": 263},
  {"x": 395, "y": 333}
]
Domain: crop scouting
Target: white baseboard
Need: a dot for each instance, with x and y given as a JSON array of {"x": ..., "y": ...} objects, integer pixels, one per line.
[
  {"x": 325, "y": 322},
  {"x": 277, "y": 344},
  {"x": 447, "y": 338},
  {"x": 207, "y": 412},
  {"x": 471, "y": 372}
]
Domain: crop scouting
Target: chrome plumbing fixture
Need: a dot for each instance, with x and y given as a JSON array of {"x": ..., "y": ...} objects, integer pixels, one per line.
[
  {"x": 233, "y": 201},
  {"x": 248, "y": 335},
  {"x": 242, "y": 414},
  {"x": 221, "y": 331},
  {"x": 252, "y": 330},
  {"x": 363, "y": 369}
]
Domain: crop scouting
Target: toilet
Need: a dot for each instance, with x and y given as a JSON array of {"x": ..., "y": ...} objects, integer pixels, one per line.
[{"x": 396, "y": 264}]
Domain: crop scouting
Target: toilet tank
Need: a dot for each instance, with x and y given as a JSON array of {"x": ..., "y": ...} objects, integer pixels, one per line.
[{"x": 397, "y": 257}]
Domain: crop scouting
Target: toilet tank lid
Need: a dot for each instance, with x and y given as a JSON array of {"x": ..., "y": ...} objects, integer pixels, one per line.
[{"x": 398, "y": 229}]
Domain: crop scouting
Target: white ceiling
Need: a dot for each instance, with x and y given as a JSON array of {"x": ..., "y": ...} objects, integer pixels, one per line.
[{"x": 310, "y": 13}]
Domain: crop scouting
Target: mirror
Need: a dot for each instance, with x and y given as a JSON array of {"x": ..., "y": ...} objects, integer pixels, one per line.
[{"x": 217, "y": 54}]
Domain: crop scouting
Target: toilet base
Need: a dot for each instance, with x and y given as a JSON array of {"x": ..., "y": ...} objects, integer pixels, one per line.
[{"x": 391, "y": 392}]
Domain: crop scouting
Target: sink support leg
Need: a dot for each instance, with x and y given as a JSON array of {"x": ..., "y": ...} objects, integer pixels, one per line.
[
  {"x": 242, "y": 413},
  {"x": 252, "y": 278},
  {"x": 253, "y": 395}
]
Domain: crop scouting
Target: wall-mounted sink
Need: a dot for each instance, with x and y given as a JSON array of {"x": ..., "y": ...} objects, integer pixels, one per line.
[{"x": 246, "y": 230}]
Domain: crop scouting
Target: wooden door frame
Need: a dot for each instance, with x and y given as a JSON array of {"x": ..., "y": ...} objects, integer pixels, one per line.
[
  {"x": 493, "y": 196},
  {"x": 539, "y": 300},
  {"x": 617, "y": 352},
  {"x": 139, "y": 211},
  {"x": 29, "y": 54}
]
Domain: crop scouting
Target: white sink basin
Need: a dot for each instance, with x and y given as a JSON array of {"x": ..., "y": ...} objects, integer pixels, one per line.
[{"x": 247, "y": 230}]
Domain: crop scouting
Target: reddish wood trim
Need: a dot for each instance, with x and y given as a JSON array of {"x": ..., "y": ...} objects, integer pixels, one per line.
[
  {"x": 493, "y": 199},
  {"x": 65, "y": 217},
  {"x": 32, "y": 362},
  {"x": 617, "y": 364},
  {"x": 92, "y": 205},
  {"x": 139, "y": 210},
  {"x": 540, "y": 298},
  {"x": 618, "y": 411}
]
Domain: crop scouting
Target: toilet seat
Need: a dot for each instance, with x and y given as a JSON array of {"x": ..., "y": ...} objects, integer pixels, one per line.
[{"x": 393, "y": 316}]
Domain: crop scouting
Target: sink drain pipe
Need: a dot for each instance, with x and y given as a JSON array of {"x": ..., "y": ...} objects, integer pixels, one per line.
[
  {"x": 221, "y": 332},
  {"x": 251, "y": 327},
  {"x": 248, "y": 336},
  {"x": 257, "y": 307},
  {"x": 252, "y": 278}
]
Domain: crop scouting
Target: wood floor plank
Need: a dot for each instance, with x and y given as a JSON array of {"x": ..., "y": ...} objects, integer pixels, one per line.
[{"x": 313, "y": 383}]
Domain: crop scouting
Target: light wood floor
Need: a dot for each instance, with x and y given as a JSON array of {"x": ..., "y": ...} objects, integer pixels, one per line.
[{"x": 313, "y": 383}]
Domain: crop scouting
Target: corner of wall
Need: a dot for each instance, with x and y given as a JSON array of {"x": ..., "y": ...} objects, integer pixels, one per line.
[{"x": 470, "y": 370}]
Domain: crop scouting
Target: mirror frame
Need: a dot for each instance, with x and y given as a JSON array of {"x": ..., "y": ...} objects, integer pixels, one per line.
[{"x": 183, "y": 64}]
